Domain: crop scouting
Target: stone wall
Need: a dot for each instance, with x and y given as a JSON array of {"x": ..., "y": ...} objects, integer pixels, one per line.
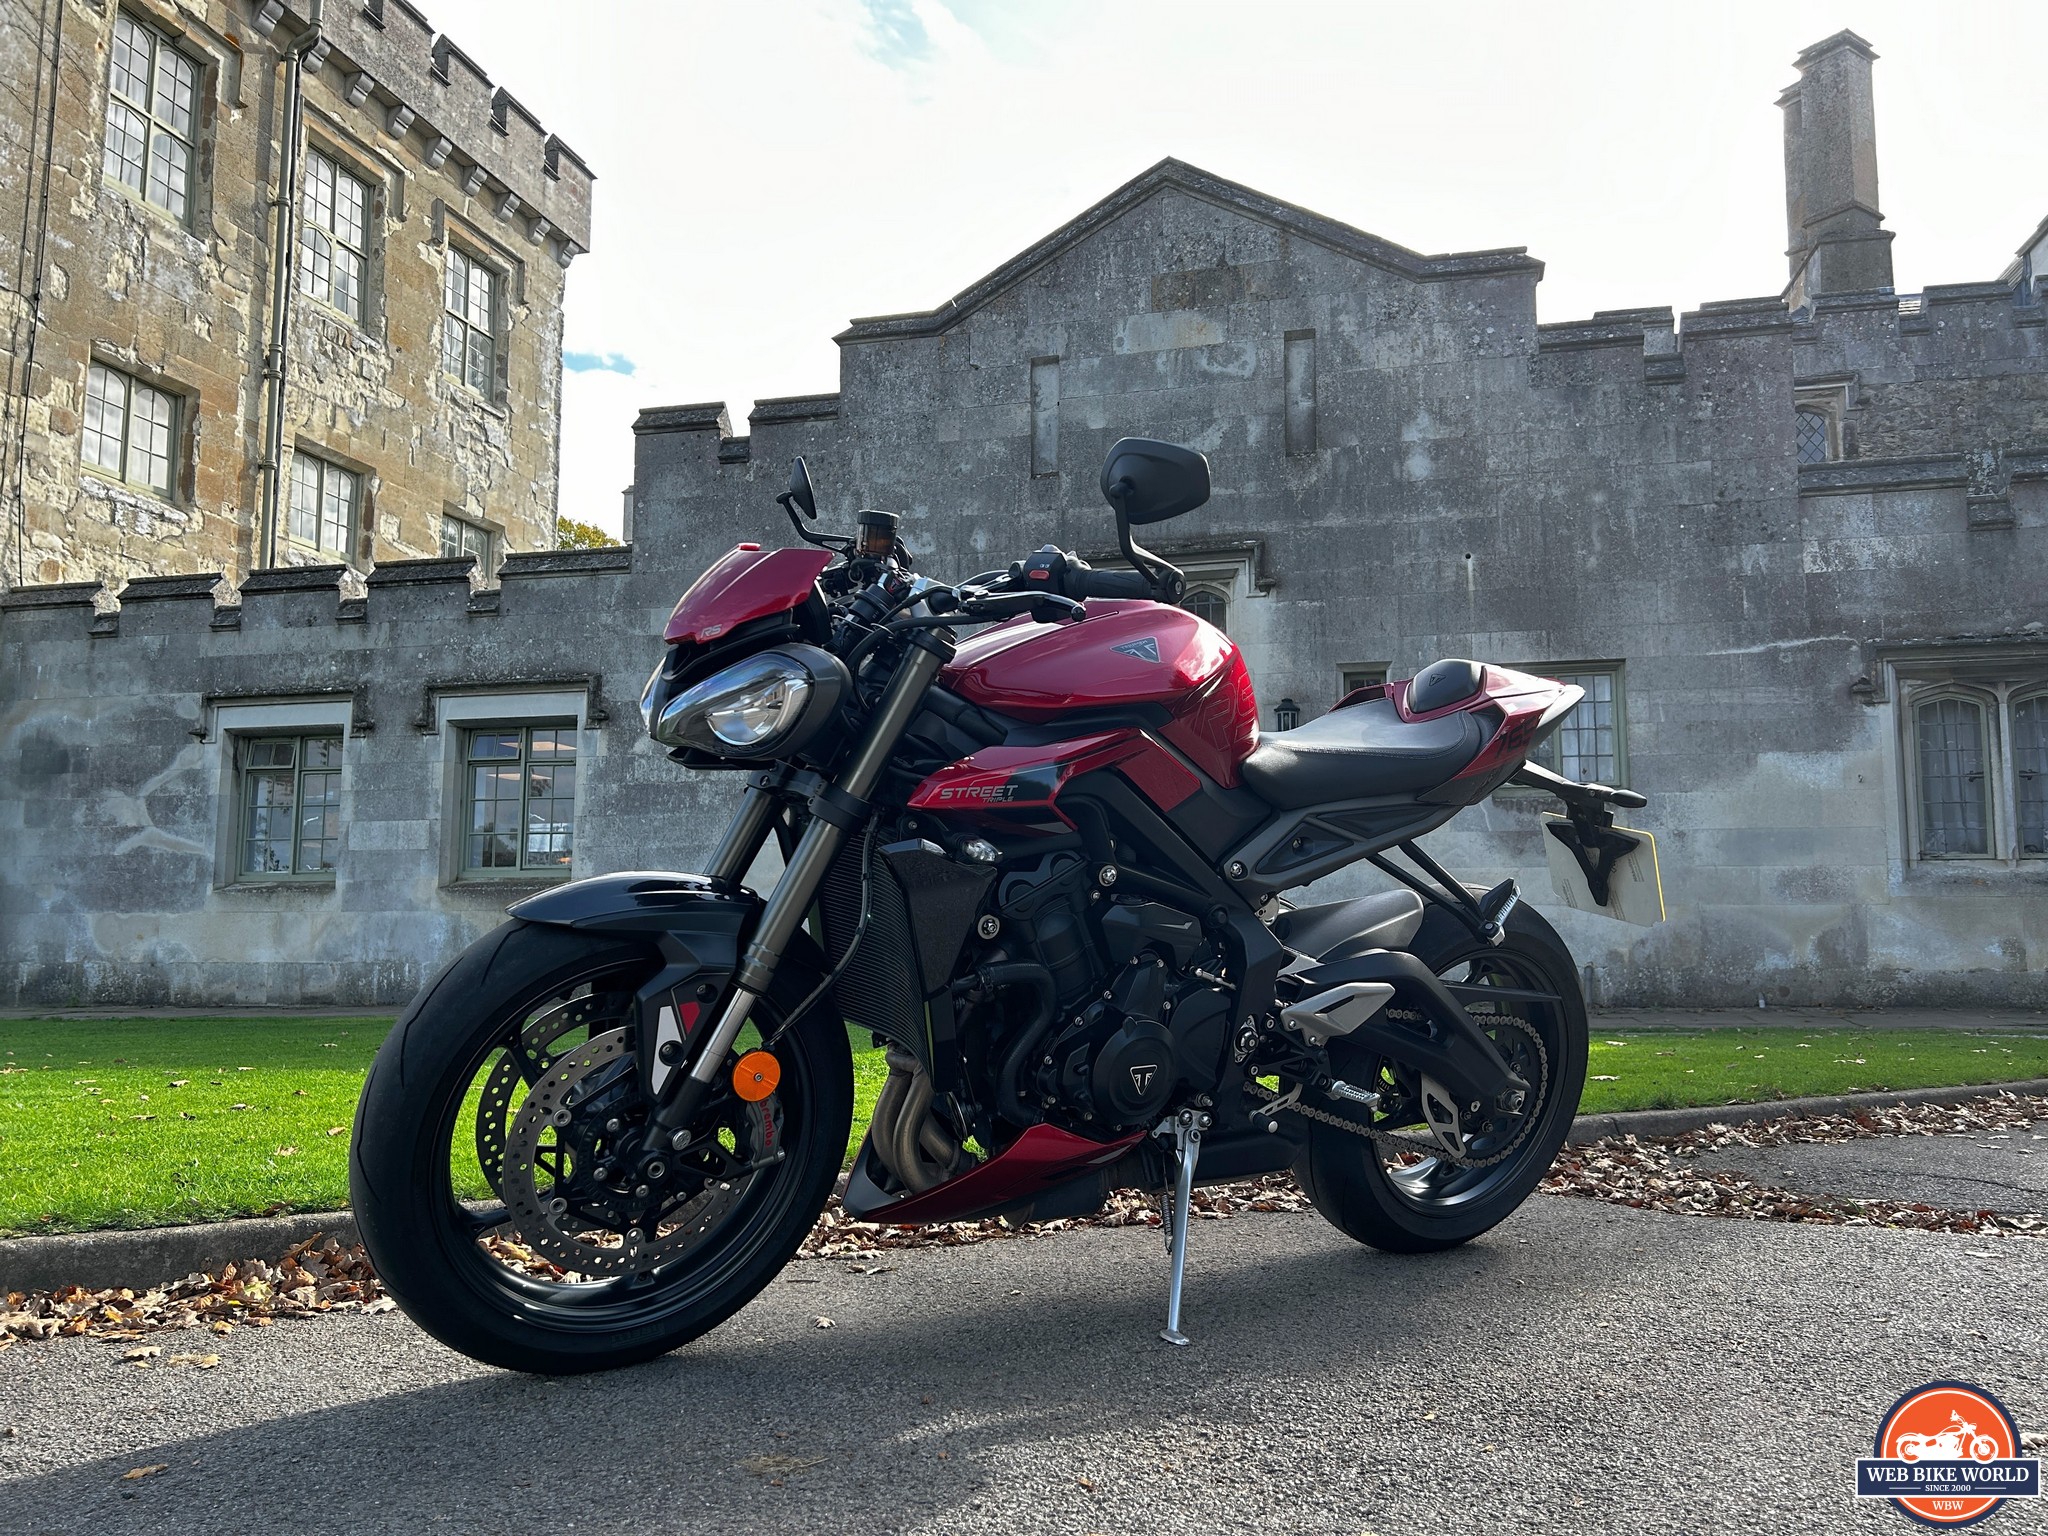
[
  {"x": 1620, "y": 490},
  {"x": 1407, "y": 466},
  {"x": 184, "y": 304},
  {"x": 117, "y": 802}
]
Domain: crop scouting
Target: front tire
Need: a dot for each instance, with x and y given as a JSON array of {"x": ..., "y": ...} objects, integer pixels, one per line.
[
  {"x": 437, "y": 1138},
  {"x": 1410, "y": 1203}
]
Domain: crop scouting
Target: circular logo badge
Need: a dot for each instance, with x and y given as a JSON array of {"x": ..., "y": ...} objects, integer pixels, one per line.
[{"x": 1948, "y": 1454}]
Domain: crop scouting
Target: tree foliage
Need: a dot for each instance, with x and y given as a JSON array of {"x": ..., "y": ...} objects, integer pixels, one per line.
[{"x": 570, "y": 534}]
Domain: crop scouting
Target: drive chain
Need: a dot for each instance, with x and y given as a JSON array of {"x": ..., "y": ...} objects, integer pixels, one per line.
[{"x": 1431, "y": 1148}]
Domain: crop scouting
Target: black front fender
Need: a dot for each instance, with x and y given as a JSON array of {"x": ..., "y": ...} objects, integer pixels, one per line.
[{"x": 643, "y": 901}]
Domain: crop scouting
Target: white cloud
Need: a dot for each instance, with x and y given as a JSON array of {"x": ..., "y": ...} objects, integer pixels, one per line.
[{"x": 767, "y": 172}]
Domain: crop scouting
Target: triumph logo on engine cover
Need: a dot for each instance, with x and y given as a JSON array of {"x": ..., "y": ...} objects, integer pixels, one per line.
[
  {"x": 1141, "y": 1077},
  {"x": 1146, "y": 649}
]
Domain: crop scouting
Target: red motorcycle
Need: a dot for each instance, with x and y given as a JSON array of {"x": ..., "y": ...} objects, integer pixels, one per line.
[{"x": 1043, "y": 864}]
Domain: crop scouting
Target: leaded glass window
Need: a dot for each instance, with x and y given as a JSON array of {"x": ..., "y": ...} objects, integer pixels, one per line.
[
  {"x": 1810, "y": 436},
  {"x": 2030, "y": 772},
  {"x": 1588, "y": 746},
  {"x": 1950, "y": 748},
  {"x": 130, "y": 429},
  {"x": 326, "y": 500},
  {"x": 291, "y": 806},
  {"x": 152, "y": 109},
  {"x": 521, "y": 791},
  {"x": 1209, "y": 605},
  {"x": 469, "y": 335},
  {"x": 333, "y": 236}
]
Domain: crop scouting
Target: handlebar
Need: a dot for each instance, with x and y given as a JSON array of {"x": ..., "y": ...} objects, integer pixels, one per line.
[
  {"x": 1052, "y": 570},
  {"x": 1112, "y": 584}
]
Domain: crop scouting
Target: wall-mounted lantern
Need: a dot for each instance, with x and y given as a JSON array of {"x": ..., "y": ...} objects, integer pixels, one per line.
[{"x": 1286, "y": 715}]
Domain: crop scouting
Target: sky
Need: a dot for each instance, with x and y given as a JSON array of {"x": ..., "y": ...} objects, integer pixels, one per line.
[{"x": 770, "y": 169}]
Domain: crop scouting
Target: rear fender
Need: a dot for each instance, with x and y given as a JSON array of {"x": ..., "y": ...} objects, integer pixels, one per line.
[
  {"x": 1337, "y": 930},
  {"x": 700, "y": 934}
]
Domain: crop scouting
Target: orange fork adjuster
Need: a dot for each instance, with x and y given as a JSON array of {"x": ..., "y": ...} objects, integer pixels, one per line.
[{"x": 755, "y": 1076}]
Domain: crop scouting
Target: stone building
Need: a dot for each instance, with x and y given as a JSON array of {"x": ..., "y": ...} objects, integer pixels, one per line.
[
  {"x": 1793, "y": 547},
  {"x": 290, "y": 291}
]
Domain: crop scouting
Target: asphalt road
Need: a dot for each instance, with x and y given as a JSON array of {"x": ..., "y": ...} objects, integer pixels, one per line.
[
  {"x": 1582, "y": 1368},
  {"x": 1986, "y": 1171}
]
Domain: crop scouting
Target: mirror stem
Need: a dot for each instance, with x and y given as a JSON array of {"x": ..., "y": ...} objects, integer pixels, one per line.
[{"x": 1166, "y": 580}]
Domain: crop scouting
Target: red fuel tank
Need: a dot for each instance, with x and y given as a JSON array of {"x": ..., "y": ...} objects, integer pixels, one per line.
[{"x": 1124, "y": 654}]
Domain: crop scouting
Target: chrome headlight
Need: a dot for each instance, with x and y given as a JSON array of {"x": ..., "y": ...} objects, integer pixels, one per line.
[{"x": 766, "y": 706}]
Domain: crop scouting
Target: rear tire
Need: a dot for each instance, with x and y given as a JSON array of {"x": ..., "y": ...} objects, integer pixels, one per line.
[
  {"x": 419, "y": 1111},
  {"x": 1424, "y": 1208}
]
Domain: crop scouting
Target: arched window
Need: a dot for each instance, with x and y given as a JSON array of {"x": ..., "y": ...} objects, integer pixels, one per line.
[
  {"x": 2030, "y": 771},
  {"x": 1208, "y": 604},
  {"x": 1949, "y": 745},
  {"x": 1810, "y": 435}
]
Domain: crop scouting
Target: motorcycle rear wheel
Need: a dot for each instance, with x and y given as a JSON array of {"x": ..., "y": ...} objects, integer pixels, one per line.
[
  {"x": 1410, "y": 1203},
  {"x": 435, "y": 1111}
]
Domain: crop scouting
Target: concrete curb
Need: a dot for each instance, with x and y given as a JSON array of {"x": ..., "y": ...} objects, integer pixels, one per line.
[
  {"x": 1676, "y": 1122},
  {"x": 151, "y": 1255}
]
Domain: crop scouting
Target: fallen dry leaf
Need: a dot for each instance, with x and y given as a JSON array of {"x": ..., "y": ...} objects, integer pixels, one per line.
[
  {"x": 142, "y": 1352},
  {"x": 134, "y": 1473},
  {"x": 321, "y": 1276},
  {"x": 1659, "y": 1173},
  {"x": 204, "y": 1362}
]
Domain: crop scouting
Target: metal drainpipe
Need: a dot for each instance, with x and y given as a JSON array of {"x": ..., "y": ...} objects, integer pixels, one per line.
[{"x": 282, "y": 249}]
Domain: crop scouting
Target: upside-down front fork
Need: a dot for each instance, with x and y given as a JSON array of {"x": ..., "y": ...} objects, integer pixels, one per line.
[
  {"x": 1187, "y": 1128},
  {"x": 835, "y": 811}
]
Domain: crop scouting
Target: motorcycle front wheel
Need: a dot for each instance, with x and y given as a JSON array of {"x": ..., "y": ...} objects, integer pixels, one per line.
[
  {"x": 499, "y": 1174},
  {"x": 1398, "y": 1191}
]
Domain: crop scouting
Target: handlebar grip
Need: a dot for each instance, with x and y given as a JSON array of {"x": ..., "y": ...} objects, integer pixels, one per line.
[{"x": 1114, "y": 584}]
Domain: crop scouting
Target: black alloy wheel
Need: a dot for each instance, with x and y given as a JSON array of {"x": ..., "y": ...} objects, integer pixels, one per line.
[
  {"x": 1404, "y": 1191},
  {"x": 501, "y": 1180}
]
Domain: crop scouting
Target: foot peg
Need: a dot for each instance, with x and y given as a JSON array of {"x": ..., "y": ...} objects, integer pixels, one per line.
[{"x": 1187, "y": 1128}]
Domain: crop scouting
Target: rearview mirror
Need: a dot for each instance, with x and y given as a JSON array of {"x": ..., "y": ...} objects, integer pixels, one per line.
[
  {"x": 1149, "y": 482},
  {"x": 800, "y": 490}
]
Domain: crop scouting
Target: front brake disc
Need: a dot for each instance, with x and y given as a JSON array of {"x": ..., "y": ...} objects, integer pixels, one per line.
[
  {"x": 535, "y": 1053},
  {"x": 570, "y": 1222}
]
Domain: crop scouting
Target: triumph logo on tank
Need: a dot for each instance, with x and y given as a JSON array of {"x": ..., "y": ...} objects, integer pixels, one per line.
[{"x": 1146, "y": 649}]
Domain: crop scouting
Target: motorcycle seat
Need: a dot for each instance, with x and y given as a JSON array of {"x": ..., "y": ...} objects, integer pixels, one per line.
[{"x": 1364, "y": 750}]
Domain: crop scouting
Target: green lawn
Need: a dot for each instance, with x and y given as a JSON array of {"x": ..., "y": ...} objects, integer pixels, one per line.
[
  {"x": 153, "y": 1122},
  {"x": 1653, "y": 1069},
  {"x": 142, "y": 1122}
]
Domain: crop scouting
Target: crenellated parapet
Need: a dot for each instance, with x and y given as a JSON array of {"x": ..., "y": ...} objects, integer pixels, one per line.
[
  {"x": 427, "y": 92},
  {"x": 421, "y": 594}
]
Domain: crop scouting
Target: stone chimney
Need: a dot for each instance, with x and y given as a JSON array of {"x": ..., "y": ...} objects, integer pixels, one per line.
[{"x": 1836, "y": 239}]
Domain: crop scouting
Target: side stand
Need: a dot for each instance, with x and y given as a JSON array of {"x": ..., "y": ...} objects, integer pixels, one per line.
[{"x": 1187, "y": 1127}]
